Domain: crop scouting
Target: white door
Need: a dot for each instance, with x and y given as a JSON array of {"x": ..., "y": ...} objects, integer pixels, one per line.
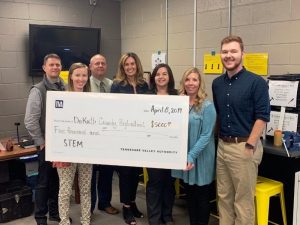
[{"x": 296, "y": 216}]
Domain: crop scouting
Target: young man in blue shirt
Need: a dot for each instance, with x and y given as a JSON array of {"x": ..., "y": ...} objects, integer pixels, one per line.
[{"x": 242, "y": 103}]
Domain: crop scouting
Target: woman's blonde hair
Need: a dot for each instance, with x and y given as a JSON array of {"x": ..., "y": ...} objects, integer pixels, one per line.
[
  {"x": 201, "y": 95},
  {"x": 121, "y": 75},
  {"x": 74, "y": 66}
]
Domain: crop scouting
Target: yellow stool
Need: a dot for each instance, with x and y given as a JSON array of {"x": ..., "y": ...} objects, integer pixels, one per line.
[
  {"x": 177, "y": 183},
  {"x": 266, "y": 188},
  {"x": 145, "y": 176}
]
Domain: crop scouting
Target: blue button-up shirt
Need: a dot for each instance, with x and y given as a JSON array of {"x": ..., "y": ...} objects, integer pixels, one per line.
[{"x": 239, "y": 102}]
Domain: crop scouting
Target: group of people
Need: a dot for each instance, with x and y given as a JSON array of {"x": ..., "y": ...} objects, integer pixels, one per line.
[{"x": 237, "y": 117}]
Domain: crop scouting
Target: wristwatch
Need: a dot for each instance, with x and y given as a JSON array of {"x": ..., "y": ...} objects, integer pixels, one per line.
[{"x": 249, "y": 146}]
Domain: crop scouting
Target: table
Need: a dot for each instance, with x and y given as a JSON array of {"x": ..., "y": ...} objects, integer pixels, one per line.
[
  {"x": 17, "y": 153},
  {"x": 20, "y": 152},
  {"x": 279, "y": 151},
  {"x": 9, "y": 155}
]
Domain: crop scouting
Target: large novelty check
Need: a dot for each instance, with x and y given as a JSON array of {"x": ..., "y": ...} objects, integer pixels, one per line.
[{"x": 117, "y": 129}]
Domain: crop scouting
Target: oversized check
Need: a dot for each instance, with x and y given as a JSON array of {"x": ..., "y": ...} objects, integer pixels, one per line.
[{"x": 117, "y": 129}]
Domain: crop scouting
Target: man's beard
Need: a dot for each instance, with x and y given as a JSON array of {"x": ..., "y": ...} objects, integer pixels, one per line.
[{"x": 234, "y": 67}]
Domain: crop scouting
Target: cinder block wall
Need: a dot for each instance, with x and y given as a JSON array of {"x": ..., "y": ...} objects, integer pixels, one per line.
[
  {"x": 270, "y": 26},
  {"x": 265, "y": 25},
  {"x": 15, "y": 17}
]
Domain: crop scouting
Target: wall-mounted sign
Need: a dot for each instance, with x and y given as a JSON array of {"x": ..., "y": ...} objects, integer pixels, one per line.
[
  {"x": 254, "y": 62},
  {"x": 212, "y": 64},
  {"x": 283, "y": 93},
  {"x": 257, "y": 63},
  {"x": 290, "y": 122},
  {"x": 158, "y": 58},
  {"x": 64, "y": 76}
]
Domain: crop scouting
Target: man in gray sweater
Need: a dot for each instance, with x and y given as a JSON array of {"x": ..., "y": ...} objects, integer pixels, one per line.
[{"x": 46, "y": 192}]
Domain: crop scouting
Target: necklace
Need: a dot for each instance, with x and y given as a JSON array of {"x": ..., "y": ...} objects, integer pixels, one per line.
[{"x": 191, "y": 107}]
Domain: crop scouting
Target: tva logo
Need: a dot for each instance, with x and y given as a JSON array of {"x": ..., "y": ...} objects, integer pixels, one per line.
[{"x": 59, "y": 104}]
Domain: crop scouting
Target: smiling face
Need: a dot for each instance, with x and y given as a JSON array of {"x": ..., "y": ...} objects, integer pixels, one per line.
[
  {"x": 52, "y": 68},
  {"x": 79, "y": 78},
  {"x": 98, "y": 66},
  {"x": 192, "y": 84},
  {"x": 162, "y": 78},
  {"x": 130, "y": 67},
  {"x": 231, "y": 55}
]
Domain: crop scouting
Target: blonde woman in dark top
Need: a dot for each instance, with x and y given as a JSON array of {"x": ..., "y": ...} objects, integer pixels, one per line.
[
  {"x": 129, "y": 80},
  {"x": 130, "y": 76}
]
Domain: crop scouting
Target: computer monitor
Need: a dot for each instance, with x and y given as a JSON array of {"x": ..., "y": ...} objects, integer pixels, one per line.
[{"x": 72, "y": 44}]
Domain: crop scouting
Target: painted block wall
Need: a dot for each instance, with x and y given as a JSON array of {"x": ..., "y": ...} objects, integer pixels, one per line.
[
  {"x": 15, "y": 17},
  {"x": 270, "y": 26}
]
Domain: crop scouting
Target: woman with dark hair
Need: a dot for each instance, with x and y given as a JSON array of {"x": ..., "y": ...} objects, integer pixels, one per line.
[
  {"x": 129, "y": 80},
  {"x": 200, "y": 169},
  {"x": 78, "y": 80},
  {"x": 168, "y": 82},
  {"x": 160, "y": 191}
]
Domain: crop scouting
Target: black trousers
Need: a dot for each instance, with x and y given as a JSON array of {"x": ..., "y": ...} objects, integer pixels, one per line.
[
  {"x": 102, "y": 187},
  {"x": 46, "y": 191},
  {"x": 128, "y": 182},
  {"x": 198, "y": 203},
  {"x": 160, "y": 195}
]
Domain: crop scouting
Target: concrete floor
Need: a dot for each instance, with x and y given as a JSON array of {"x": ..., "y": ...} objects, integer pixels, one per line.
[{"x": 180, "y": 213}]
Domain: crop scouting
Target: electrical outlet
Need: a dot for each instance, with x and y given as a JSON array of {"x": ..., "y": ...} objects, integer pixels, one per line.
[{"x": 93, "y": 2}]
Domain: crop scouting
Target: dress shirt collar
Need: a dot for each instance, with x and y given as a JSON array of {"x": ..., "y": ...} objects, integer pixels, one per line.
[
  {"x": 95, "y": 80},
  {"x": 235, "y": 76}
]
